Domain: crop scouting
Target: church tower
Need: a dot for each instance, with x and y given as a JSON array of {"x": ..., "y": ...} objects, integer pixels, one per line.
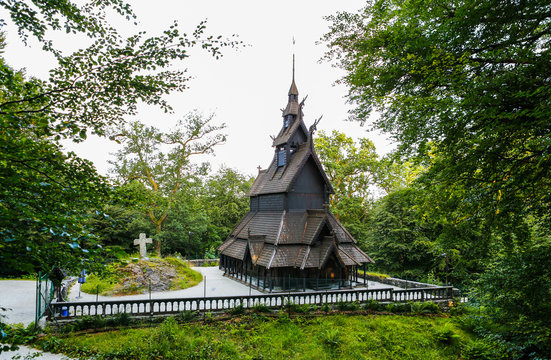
[{"x": 289, "y": 239}]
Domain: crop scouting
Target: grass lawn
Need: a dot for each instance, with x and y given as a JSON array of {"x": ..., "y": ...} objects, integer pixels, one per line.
[{"x": 259, "y": 337}]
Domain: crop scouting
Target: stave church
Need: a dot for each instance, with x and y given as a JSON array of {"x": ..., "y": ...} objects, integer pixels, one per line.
[{"x": 289, "y": 239}]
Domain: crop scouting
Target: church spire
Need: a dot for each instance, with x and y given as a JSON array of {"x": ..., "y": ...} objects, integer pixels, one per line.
[
  {"x": 293, "y": 89},
  {"x": 292, "y": 105}
]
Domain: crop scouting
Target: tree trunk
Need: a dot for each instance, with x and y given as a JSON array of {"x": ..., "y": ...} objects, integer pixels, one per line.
[{"x": 158, "y": 240}]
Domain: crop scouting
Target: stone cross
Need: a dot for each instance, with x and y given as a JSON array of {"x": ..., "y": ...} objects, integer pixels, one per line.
[{"x": 142, "y": 241}]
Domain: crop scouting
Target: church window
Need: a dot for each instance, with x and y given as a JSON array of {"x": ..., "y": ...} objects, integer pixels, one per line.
[
  {"x": 281, "y": 158},
  {"x": 287, "y": 121}
]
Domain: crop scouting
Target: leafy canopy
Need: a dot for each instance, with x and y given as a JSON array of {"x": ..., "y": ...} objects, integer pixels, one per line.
[{"x": 472, "y": 77}]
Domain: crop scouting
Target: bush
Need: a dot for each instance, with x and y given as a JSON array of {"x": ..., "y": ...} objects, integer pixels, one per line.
[
  {"x": 187, "y": 315},
  {"x": 373, "y": 305},
  {"x": 298, "y": 308},
  {"x": 326, "y": 308},
  {"x": 348, "y": 306},
  {"x": 427, "y": 307},
  {"x": 89, "y": 322},
  {"x": 238, "y": 310},
  {"x": 398, "y": 308},
  {"x": 460, "y": 308},
  {"x": 446, "y": 335},
  {"x": 261, "y": 308},
  {"x": 482, "y": 350},
  {"x": 120, "y": 319}
]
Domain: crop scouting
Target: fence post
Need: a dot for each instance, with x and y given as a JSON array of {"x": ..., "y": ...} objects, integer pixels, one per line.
[{"x": 37, "y": 309}]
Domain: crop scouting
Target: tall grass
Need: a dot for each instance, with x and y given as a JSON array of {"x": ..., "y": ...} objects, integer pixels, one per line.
[{"x": 249, "y": 337}]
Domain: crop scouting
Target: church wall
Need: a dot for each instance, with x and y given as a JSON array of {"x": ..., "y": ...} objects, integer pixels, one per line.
[
  {"x": 308, "y": 189},
  {"x": 272, "y": 202},
  {"x": 298, "y": 138},
  {"x": 254, "y": 203}
]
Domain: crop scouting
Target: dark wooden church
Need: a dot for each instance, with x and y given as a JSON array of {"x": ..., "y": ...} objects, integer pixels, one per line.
[{"x": 289, "y": 238}]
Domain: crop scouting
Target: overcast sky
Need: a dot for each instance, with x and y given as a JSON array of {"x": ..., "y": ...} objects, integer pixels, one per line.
[{"x": 246, "y": 88}]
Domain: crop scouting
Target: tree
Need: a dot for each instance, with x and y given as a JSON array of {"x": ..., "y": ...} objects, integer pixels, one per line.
[
  {"x": 164, "y": 174},
  {"x": 224, "y": 198},
  {"x": 468, "y": 76},
  {"x": 358, "y": 176},
  {"x": 46, "y": 193},
  {"x": 471, "y": 80},
  {"x": 400, "y": 239},
  {"x": 515, "y": 289}
]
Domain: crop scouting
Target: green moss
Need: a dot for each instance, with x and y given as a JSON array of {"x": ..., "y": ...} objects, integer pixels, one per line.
[{"x": 375, "y": 274}]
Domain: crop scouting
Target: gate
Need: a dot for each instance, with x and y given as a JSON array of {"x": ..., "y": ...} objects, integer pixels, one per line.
[{"x": 44, "y": 296}]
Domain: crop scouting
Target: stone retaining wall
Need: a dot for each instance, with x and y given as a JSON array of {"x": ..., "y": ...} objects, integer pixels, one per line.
[
  {"x": 203, "y": 262},
  {"x": 400, "y": 282}
]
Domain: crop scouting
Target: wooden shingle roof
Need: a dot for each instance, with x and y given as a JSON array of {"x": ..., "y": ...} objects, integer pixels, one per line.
[
  {"x": 279, "y": 179},
  {"x": 286, "y": 133},
  {"x": 287, "y": 239}
]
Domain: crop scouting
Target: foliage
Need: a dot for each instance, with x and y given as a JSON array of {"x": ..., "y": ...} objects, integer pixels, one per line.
[
  {"x": 400, "y": 239},
  {"x": 373, "y": 305},
  {"x": 348, "y": 306},
  {"x": 261, "y": 308},
  {"x": 353, "y": 337},
  {"x": 47, "y": 194},
  {"x": 516, "y": 292},
  {"x": 447, "y": 334},
  {"x": 398, "y": 308},
  {"x": 86, "y": 322},
  {"x": 102, "y": 284},
  {"x": 358, "y": 177},
  {"x": 463, "y": 86},
  {"x": 187, "y": 315},
  {"x": 38, "y": 18},
  {"x": 224, "y": 197},
  {"x": 469, "y": 76},
  {"x": 187, "y": 228},
  {"x": 426, "y": 307},
  {"x": 163, "y": 174},
  {"x": 238, "y": 310},
  {"x": 44, "y": 193}
]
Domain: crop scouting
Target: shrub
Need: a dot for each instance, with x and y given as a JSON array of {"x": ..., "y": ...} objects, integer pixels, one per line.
[
  {"x": 187, "y": 315},
  {"x": 446, "y": 335},
  {"x": 482, "y": 350},
  {"x": 427, "y": 307},
  {"x": 373, "y": 305},
  {"x": 348, "y": 306},
  {"x": 209, "y": 317},
  {"x": 238, "y": 310},
  {"x": 398, "y": 308},
  {"x": 88, "y": 322},
  {"x": 283, "y": 318},
  {"x": 326, "y": 308},
  {"x": 297, "y": 308},
  {"x": 120, "y": 319},
  {"x": 261, "y": 308},
  {"x": 460, "y": 308}
]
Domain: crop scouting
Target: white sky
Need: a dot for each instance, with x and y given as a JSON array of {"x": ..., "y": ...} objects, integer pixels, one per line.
[{"x": 246, "y": 88}]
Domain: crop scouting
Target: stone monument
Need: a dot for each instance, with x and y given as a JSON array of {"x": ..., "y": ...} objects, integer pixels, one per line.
[{"x": 142, "y": 241}]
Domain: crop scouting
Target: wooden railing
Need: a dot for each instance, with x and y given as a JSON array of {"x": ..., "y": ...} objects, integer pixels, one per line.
[{"x": 146, "y": 307}]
